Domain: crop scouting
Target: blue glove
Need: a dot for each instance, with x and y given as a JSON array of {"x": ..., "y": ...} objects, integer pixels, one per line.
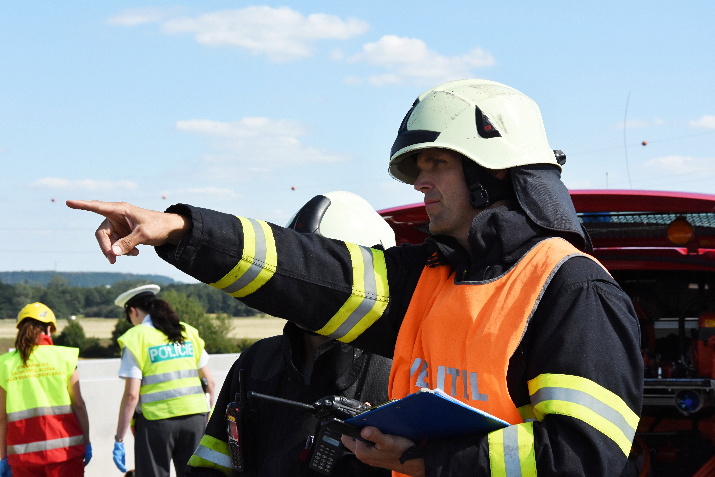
[
  {"x": 5, "y": 470},
  {"x": 87, "y": 454},
  {"x": 119, "y": 456}
]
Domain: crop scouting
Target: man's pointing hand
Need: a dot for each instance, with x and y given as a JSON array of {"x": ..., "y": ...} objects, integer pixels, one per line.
[{"x": 125, "y": 226}]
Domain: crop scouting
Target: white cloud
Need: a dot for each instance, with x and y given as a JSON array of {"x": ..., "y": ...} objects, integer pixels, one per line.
[
  {"x": 138, "y": 16},
  {"x": 706, "y": 122},
  {"x": 679, "y": 165},
  {"x": 256, "y": 144},
  {"x": 282, "y": 34},
  {"x": 84, "y": 184},
  {"x": 640, "y": 123},
  {"x": 409, "y": 59}
]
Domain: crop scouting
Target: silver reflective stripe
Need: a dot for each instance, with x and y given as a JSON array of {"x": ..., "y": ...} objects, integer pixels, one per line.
[
  {"x": 588, "y": 401},
  {"x": 170, "y": 376},
  {"x": 171, "y": 393},
  {"x": 368, "y": 302},
  {"x": 213, "y": 456},
  {"x": 253, "y": 269},
  {"x": 45, "y": 445},
  {"x": 511, "y": 451},
  {"x": 38, "y": 411}
]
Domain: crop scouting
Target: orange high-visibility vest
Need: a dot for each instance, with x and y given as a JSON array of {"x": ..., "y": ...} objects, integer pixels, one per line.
[
  {"x": 459, "y": 336},
  {"x": 41, "y": 427}
]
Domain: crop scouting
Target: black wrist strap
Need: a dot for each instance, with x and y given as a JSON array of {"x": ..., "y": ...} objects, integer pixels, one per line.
[{"x": 413, "y": 452}]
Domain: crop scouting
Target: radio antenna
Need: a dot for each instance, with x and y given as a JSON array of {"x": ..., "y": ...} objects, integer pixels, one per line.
[{"x": 625, "y": 142}]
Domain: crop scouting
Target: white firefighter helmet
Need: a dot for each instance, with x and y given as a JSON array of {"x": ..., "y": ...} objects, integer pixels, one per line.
[
  {"x": 343, "y": 216},
  {"x": 490, "y": 123}
]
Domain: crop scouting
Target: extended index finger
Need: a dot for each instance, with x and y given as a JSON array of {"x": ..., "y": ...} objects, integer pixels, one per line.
[{"x": 96, "y": 206}]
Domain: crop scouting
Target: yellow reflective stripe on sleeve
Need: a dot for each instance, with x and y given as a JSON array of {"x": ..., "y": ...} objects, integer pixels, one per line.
[
  {"x": 368, "y": 299},
  {"x": 511, "y": 451},
  {"x": 587, "y": 401},
  {"x": 258, "y": 263},
  {"x": 212, "y": 453},
  {"x": 527, "y": 413}
]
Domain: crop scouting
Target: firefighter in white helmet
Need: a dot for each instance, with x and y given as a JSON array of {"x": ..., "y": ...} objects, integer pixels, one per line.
[
  {"x": 501, "y": 307},
  {"x": 44, "y": 428},
  {"x": 302, "y": 366}
]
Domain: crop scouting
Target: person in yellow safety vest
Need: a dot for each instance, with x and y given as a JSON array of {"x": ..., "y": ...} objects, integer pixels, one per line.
[
  {"x": 163, "y": 364},
  {"x": 44, "y": 428}
]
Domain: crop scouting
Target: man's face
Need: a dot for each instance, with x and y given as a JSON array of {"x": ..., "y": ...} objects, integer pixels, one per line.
[{"x": 441, "y": 180}]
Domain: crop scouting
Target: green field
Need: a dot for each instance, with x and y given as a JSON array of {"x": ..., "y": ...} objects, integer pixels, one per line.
[{"x": 249, "y": 328}]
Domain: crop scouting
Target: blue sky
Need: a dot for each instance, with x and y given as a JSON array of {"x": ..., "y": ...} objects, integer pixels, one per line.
[{"x": 254, "y": 108}]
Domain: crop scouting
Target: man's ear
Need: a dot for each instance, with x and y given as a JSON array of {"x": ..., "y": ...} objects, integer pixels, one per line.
[{"x": 501, "y": 173}]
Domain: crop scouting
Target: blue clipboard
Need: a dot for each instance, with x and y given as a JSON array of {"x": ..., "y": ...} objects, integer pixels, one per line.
[{"x": 428, "y": 414}]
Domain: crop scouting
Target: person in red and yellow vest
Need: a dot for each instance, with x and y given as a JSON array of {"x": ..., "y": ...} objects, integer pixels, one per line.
[
  {"x": 44, "y": 427},
  {"x": 163, "y": 364}
]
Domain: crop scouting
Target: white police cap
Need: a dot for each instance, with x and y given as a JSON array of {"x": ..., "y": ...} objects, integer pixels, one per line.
[{"x": 128, "y": 295}]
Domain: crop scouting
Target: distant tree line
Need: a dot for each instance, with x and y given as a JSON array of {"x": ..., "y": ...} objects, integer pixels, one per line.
[
  {"x": 80, "y": 279},
  {"x": 205, "y": 308},
  {"x": 98, "y": 301},
  {"x": 213, "y": 329}
]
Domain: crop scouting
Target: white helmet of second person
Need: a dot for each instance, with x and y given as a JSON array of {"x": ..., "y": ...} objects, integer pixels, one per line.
[
  {"x": 490, "y": 123},
  {"x": 345, "y": 216}
]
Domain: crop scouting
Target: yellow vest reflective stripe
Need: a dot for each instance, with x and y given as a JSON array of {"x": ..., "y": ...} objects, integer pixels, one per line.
[
  {"x": 171, "y": 394},
  {"x": 170, "y": 383},
  {"x": 587, "y": 401},
  {"x": 527, "y": 413},
  {"x": 511, "y": 451},
  {"x": 38, "y": 411},
  {"x": 170, "y": 376},
  {"x": 369, "y": 297},
  {"x": 47, "y": 445},
  {"x": 258, "y": 263},
  {"x": 212, "y": 453}
]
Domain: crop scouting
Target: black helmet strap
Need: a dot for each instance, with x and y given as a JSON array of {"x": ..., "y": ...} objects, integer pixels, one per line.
[{"x": 484, "y": 187}]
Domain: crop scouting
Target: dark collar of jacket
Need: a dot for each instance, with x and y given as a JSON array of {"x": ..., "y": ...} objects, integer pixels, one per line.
[
  {"x": 498, "y": 238},
  {"x": 335, "y": 361}
]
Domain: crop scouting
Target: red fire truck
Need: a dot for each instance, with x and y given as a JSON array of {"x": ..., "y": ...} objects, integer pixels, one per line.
[{"x": 660, "y": 247}]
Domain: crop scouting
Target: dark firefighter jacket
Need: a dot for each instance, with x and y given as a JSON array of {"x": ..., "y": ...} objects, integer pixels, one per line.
[
  {"x": 277, "y": 433},
  {"x": 583, "y": 327}
]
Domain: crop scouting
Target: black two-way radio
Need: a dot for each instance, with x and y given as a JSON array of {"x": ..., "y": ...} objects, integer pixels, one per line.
[
  {"x": 331, "y": 412},
  {"x": 237, "y": 416}
]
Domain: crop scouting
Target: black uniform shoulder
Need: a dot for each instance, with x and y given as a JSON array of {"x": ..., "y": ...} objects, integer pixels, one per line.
[{"x": 580, "y": 271}]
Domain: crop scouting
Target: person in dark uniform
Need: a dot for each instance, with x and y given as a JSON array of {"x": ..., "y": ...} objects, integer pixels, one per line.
[{"x": 301, "y": 366}]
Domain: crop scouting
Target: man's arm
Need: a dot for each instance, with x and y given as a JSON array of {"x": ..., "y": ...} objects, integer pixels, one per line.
[{"x": 337, "y": 289}]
